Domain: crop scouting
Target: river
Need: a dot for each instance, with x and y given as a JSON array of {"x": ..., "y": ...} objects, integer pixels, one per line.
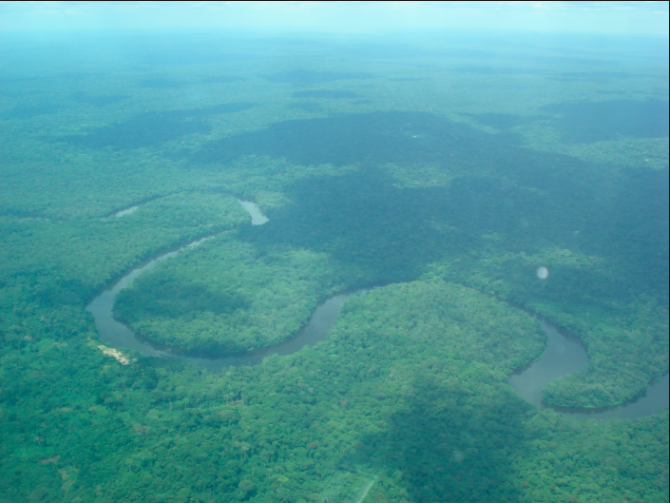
[{"x": 563, "y": 355}]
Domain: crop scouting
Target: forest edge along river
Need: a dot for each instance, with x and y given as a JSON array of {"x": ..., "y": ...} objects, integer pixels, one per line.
[{"x": 562, "y": 356}]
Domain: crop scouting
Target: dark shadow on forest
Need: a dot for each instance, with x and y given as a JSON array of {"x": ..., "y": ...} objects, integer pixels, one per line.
[
  {"x": 186, "y": 56},
  {"x": 495, "y": 70},
  {"x": 598, "y": 77},
  {"x": 588, "y": 122},
  {"x": 152, "y": 129},
  {"x": 451, "y": 446},
  {"x": 30, "y": 111},
  {"x": 97, "y": 101},
  {"x": 505, "y": 121},
  {"x": 639, "y": 226},
  {"x": 362, "y": 218},
  {"x": 221, "y": 79},
  {"x": 407, "y": 79},
  {"x": 325, "y": 94},
  {"x": 163, "y": 83},
  {"x": 531, "y": 199},
  {"x": 54, "y": 292},
  {"x": 306, "y": 106},
  {"x": 79, "y": 75},
  {"x": 380, "y": 137},
  {"x": 147, "y": 130},
  {"x": 170, "y": 297},
  {"x": 309, "y": 77}
]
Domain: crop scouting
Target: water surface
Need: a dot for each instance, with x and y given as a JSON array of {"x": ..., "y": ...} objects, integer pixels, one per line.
[{"x": 563, "y": 355}]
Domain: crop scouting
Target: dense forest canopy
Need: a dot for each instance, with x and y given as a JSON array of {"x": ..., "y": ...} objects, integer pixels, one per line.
[{"x": 429, "y": 180}]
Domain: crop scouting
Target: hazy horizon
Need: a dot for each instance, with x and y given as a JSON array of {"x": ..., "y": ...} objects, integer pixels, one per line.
[{"x": 350, "y": 18}]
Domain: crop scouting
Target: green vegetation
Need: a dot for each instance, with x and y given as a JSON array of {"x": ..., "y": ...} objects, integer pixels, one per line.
[
  {"x": 437, "y": 199},
  {"x": 227, "y": 296},
  {"x": 424, "y": 407},
  {"x": 61, "y": 262}
]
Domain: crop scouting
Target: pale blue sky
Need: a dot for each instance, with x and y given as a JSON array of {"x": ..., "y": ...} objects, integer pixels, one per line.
[{"x": 633, "y": 18}]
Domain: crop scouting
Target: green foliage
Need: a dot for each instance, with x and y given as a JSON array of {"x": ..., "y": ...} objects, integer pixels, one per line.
[
  {"x": 226, "y": 296},
  {"x": 426, "y": 186},
  {"x": 625, "y": 335},
  {"x": 61, "y": 262},
  {"x": 439, "y": 314}
]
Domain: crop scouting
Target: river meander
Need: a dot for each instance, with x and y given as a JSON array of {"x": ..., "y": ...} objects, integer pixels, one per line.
[{"x": 563, "y": 355}]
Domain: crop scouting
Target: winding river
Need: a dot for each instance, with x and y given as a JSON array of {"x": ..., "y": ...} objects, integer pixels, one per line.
[{"x": 563, "y": 355}]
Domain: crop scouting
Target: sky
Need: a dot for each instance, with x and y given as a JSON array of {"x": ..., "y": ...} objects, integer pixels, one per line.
[{"x": 364, "y": 18}]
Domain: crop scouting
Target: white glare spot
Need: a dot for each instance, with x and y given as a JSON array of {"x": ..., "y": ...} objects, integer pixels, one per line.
[
  {"x": 457, "y": 456},
  {"x": 542, "y": 272}
]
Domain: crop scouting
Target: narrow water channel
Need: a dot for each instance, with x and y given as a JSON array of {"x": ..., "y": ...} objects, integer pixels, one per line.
[{"x": 563, "y": 355}]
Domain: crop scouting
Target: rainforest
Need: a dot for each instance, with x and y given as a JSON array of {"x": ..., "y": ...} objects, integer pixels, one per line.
[{"x": 294, "y": 270}]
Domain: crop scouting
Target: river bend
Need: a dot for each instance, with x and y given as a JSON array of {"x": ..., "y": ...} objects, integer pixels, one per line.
[{"x": 563, "y": 355}]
